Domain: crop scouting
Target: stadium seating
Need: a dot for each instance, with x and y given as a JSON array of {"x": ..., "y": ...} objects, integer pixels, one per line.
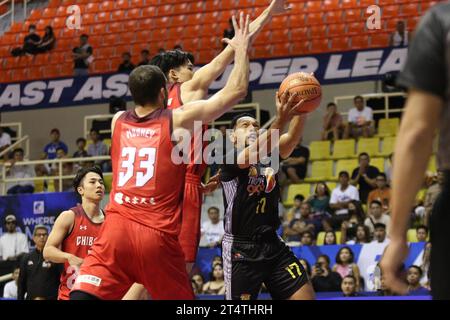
[
  {"x": 388, "y": 127},
  {"x": 294, "y": 189},
  {"x": 344, "y": 149},
  {"x": 345, "y": 165},
  {"x": 319, "y": 150},
  {"x": 321, "y": 171},
  {"x": 368, "y": 145},
  {"x": 321, "y": 238}
]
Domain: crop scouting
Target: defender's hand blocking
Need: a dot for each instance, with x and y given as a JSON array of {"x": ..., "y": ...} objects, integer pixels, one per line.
[
  {"x": 287, "y": 106},
  {"x": 279, "y": 7},
  {"x": 242, "y": 35},
  {"x": 391, "y": 262}
]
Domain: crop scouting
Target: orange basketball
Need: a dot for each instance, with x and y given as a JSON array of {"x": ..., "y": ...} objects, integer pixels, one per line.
[{"x": 307, "y": 87}]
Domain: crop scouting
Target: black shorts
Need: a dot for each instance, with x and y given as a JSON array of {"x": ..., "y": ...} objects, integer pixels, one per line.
[
  {"x": 248, "y": 264},
  {"x": 440, "y": 244}
]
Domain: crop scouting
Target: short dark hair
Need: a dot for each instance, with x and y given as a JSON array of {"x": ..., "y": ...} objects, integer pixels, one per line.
[
  {"x": 422, "y": 227},
  {"x": 327, "y": 258},
  {"x": 145, "y": 84},
  {"x": 172, "y": 59},
  {"x": 331, "y": 104},
  {"x": 54, "y": 130},
  {"x": 82, "y": 173},
  {"x": 375, "y": 202},
  {"x": 237, "y": 117},
  {"x": 358, "y": 97},
  {"x": 418, "y": 268},
  {"x": 363, "y": 154},
  {"x": 18, "y": 150},
  {"x": 299, "y": 197},
  {"x": 126, "y": 53},
  {"x": 84, "y": 35},
  {"x": 349, "y": 276},
  {"x": 352, "y": 255},
  {"x": 31, "y": 26},
  {"x": 344, "y": 173},
  {"x": 379, "y": 225},
  {"x": 307, "y": 232},
  {"x": 81, "y": 140},
  {"x": 214, "y": 208},
  {"x": 94, "y": 130},
  {"x": 145, "y": 51}
]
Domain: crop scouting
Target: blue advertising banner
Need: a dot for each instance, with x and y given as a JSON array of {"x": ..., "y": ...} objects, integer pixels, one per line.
[{"x": 329, "y": 68}]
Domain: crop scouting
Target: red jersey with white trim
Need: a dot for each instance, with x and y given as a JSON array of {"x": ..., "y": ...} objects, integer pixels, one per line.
[
  {"x": 147, "y": 186},
  {"x": 174, "y": 102},
  {"x": 78, "y": 243}
]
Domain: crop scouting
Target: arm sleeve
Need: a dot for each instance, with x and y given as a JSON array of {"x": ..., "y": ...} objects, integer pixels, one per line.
[
  {"x": 356, "y": 194},
  {"x": 23, "y": 244},
  {"x": 425, "y": 65},
  {"x": 333, "y": 199}
]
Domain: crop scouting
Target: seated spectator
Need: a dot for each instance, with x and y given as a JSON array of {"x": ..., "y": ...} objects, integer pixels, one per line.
[
  {"x": 422, "y": 233},
  {"x": 10, "y": 289},
  {"x": 82, "y": 57},
  {"x": 199, "y": 283},
  {"x": 13, "y": 243},
  {"x": 379, "y": 235},
  {"x": 30, "y": 43},
  {"x": 55, "y": 143},
  {"x": 323, "y": 279},
  {"x": 145, "y": 58},
  {"x": 68, "y": 169},
  {"x": 178, "y": 47},
  {"x": 216, "y": 284},
  {"x": 345, "y": 265},
  {"x": 432, "y": 193},
  {"x": 361, "y": 235},
  {"x": 330, "y": 238},
  {"x": 306, "y": 266},
  {"x": 364, "y": 176},
  {"x": 295, "y": 166},
  {"x": 126, "y": 66},
  {"x": 229, "y": 32},
  {"x": 341, "y": 197},
  {"x": 400, "y": 37},
  {"x": 97, "y": 149},
  {"x": 360, "y": 120},
  {"x": 348, "y": 286},
  {"x": 307, "y": 239},
  {"x": 376, "y": 215},
  {"x": 356, "y": 215},
  {"x": 320, "y": 200},
  {"x": 5, "y": 139},
  {"x": 413, "y": 277},
  {"x": 333, "y": 126},
  {"x": 294, "y": 212},
  {"x": 81, "y": 151},
  {"x": 296, "y": 227},
  {"x": 48, "y": 41},
  {"x": 17, "y": 171},
  {"x": 382, "y": 193},
  {"x": 212, "y": 231}
]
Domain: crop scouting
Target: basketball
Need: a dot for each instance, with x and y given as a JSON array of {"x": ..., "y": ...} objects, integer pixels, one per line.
[{"x": 307, "y": 87}]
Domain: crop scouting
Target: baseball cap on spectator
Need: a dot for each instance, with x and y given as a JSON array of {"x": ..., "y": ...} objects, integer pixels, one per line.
[{"x": 10, "y": 218}]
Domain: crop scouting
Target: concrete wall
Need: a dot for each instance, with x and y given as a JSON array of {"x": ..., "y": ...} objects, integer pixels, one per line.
[{"x": 38, "y": 123}]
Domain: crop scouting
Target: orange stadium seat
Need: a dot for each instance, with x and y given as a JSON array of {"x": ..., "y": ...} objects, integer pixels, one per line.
[
  {"x": 334, "y": 17},
  {"x": 162, "y": 22},
  {"x": 389, "y": 11},
  {"x": 67, "y": 3},
  {"x": 349, "y": 4},
  {"x": 178, "y": 21},
  {"x": 339, "y": 43},
  {"x": 118, "y": 15},
  {"x": 212, "y": 5},
  {"x": 191, "y": 45},
  {"x": 227, "y": 4},
  {"x": 181, "y": 8},
  {"x": 159, "y": 34},
  {"x": 209, "y": 42},
  {"x": 143, "y": 36},
  {"x": 196, "y": 7},
  {"x": 410, "y": 9},
  {"x": 61, "y": 12},
  {"x": 314, "y": 18},
  {"x": 134, "y": 13},
  {"x": 355, "y": 28},
  {"x": 165, "y": 10},
  {"x": 280, "y": 35},
  {"x": 53, "y": 3},
  {"x": 192, "y": 31},
  {"x": 16, "y": 27},
  {"x": 99, "y": 29},
  {"x": 328, "y": 5},
  {"x": 122, "y": 49},
  {"x": 88, "y": 18},
  {"x": 103, "y": 17},
  {"x": 379, "y": 40},
  {"x": 313, "y": 6},
  {"x": 336, "y": 30},
  {"x": 175, "y": 33},
  {"x": 317, "y": 31},
  {"x": 262, "y": 51},
  {"x": 104, "y": 53},
  {"x": 297, "y": 21},
  {"x": 352, "y": 15},
  {"x": 56, "y": 57},
  {"x": 59, "y": 23},
  {"x": 134, "y": 25},
  {"x": 49, "y": 13},
  {"x": 6, "y": 76},
  {"x": 115, "y": 63},
  {"x": 115, "y": 27},
  {"x": 10, "y": 62},
  {"x": 359, "y": 42},
  {"x": 209, "y": 29},
  {"x": 107, "y": 6},
  {"x": 41, "y": 24},
  {"x": 67, "y": 33},
  {"x": 194, "y": 19},
  {"x": 21, "y": 74},
  {"x": 149, "y": 12},
  {"x": 365, "y": 3},
  {"x": 412, "y": 23},
  {"x": 24, "y": 61},
  {"x": 263, "y": 37},
  {"x": 92, "y": 7},
  {"x": 281, "y": 49},
  {"x": 141, "y": 3},
  {"x": 51, "y": 71},
  {"x": 95, "y": 41},
  {"x": 100, "y": 66},
  {"x": 391, "y": 24},
  {"x": 299, "y": 34},
  {"x": 66, "y": 70},
  {"x": 4, "y": 51},
  {"x": 35, "y": 73},
  {"x": 122, "y": 4},
  {"x": 245, "y": 4},
  {"x": 279, "y": 22},
  {"x": 35, "y": 15},
  {"x": 8, "y": 39},
  {"x": 299, "y": 48},
  {"x": 126, "y": 37}
]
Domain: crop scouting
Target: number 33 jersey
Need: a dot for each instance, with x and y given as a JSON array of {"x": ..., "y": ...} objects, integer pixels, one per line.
[{"x": 147, "y": 186}]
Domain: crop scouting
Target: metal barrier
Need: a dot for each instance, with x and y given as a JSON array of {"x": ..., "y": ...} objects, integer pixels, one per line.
[
  {"x": 17, "y": 125},
  {"x": 12, "y": 9},
  {"x": 25, "y": 139}
]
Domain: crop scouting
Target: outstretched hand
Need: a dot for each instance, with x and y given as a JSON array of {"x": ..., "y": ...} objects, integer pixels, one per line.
[
  {"x": 279, "y": 7},
  {"x": 242, "y": 36},
  {"x": 212, "y": 184},
  {"x": 287, "y": 106},
  {"x": 391, "y": 262}
]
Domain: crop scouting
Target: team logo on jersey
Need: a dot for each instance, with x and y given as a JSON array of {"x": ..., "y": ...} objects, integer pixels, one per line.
[
  {"x": 271, "y": 182},
  {"x": 83, "y": 227},
  {"x": 253, "y": 171},
  {"x": 245, "y": 296},
  {"x": 118, "y": 198},
  {"x": 259, "y": 183}
]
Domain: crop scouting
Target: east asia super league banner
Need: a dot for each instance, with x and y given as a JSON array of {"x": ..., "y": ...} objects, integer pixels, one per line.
[{"x": 329, "y": 68}]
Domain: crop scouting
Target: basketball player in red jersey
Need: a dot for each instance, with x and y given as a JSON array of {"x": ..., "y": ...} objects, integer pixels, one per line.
[
  {"x": 186, "y": 86},
  {"x": 76, "y": 229},
  {"x": 138, "y": 241}
]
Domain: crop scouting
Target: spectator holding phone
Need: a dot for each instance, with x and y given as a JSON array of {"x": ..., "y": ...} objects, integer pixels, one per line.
[{"x": 323, "y": 279}]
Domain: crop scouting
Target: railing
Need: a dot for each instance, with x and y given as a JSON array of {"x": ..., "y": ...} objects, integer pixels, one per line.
[
  {"x": 387, "y": 110},
  {"x": 25, "y": 139},
  {"x": 18, "y": 130},
  {"x": 12, "y": 9},
  {"x": 87, "y": 128},
  {"x": 60, "y": 177}
]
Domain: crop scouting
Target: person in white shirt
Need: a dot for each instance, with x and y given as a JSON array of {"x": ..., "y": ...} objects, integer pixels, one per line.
[
  {"x": 20, "y": 171},
  {"x": 360, "y": 120},
  {"x": 10, "y": 289},
  {"x": 379, "y": 234},
  {"x": 400, "y": 37},
  {"x": 376, "y": 215},
  {"x": 341, "y": 197},
  {"x": 12, "y": 243},
  {"x": 5, "y": 140},
  {"x": 212, "y": 231}
]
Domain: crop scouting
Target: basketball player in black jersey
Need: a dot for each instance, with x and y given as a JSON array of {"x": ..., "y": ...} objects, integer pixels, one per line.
[{"x": 252, "y": 251}]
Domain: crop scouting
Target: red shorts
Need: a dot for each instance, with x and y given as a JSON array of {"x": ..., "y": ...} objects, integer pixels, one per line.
[
  {"x": 126, "y": 252},
  {"x": 191, "y": 214}
]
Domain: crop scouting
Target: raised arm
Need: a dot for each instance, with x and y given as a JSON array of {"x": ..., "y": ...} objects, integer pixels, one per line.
[
  {"x": 197, "y": 87},
  {"x": 234, "y": 90}
]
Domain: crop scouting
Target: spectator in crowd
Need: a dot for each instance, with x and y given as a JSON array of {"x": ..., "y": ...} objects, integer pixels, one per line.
[
  {"x": 364, "y": 176},
  {"x": 413, "y": 277},
  {"x": 422, "y": 233},
  {"x": 294, "y": 212},
  {"x": 360, "y": 120},
  {"x": 389, "y": 169},
  {"x": 400, "y": 37},
  {"x": 323, "y": 279},
  {"x": 98, "y": 148},
  {"x": 295, "y": 166},
  {"x": 39, "y": 279},
  {"x": 307, "y": 238},
  {"x": 376, "y": 215},
  {"x": 320, "y": 200},
  {"x": 379, "y": 235},
  {"x": 48, "y": 41},
  {"x": 355, "y": 216},
  {"x": 199, "y": 283},
  {"x": 341, "y": 197},
  {"x": 216, "y": 260},
  {"x": 178, "y": 47},
  {"x": 145, "y": 58},
  {"x": 360, "y": 236},
  {"x": 432, "y": 193},
  {"x": 12, "y": 243},
  {"x": 382, "y": 193},
  {"x": 330, "y": 238},
  {"x": 10, "y": 289},
  {"x": 425, "y": 266},
  {"x": 5, "y": 139},
  {"x": 229, "y": 32},
  {"x": 333, "y": 126},
  {"x": 216, "y": 284},
  {"x": 81, "y": 149},
  {"x": 212, "y": 231},
  {"x": 297, "y": 226},
  {"x": 82, "y": 57},
  {"x": 127, "y": 65},
  {"x": 30, "y": 43},
  {"x": 55, "y": 143},
  {"x": 348, "y": 286},
  {"x": 17, "y": 171},
  {"x": 68, "y": 169},
  {"x": 345, "y": 265},
  {"x": 306, "y": 266}
]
